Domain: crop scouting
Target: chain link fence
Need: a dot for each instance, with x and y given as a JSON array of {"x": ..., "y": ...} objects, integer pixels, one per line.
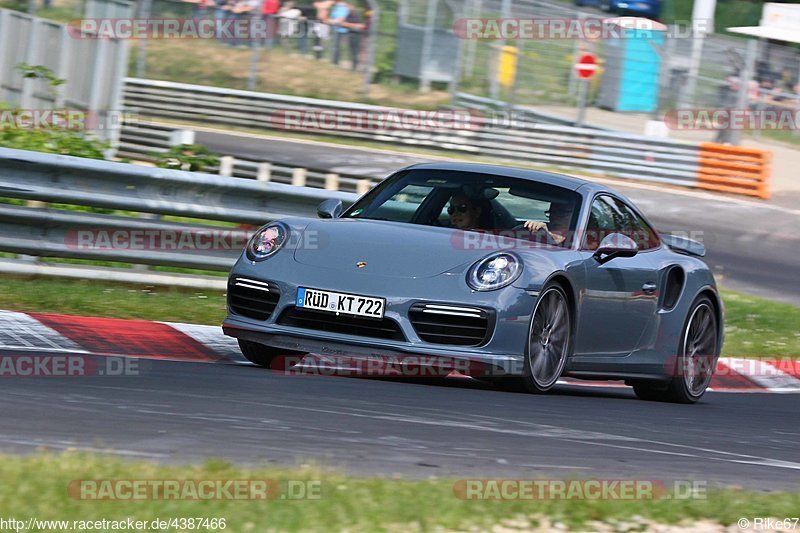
[
  {"x": 292, "y": 27},
  {"x": 545, "y": 75}
]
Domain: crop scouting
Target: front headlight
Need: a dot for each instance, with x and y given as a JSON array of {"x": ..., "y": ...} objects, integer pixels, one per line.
[
  {"x": 267, "y": 241},
  {"x": 494, "y": 271}
]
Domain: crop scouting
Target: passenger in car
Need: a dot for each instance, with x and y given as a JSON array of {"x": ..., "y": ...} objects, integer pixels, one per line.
[{"x": 465, "y": 213}]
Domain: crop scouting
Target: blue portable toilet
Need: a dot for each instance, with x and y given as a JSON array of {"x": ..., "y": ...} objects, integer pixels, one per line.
[{"x": 632, "y": 65}]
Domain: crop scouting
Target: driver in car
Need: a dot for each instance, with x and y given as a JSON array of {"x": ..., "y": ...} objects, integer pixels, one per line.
[{"x": 559, "y": 215}]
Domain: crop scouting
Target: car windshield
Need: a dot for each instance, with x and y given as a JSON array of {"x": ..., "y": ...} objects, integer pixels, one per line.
[{"x": 473, "y": 202}]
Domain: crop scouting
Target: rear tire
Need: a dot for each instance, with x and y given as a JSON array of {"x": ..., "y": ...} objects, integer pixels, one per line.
[
  {"x": 549, "y": 340},
  {"x": 695, "y": 364},
  {"x": 262, "y": 355},
  {"x": 699, "y": 353}
]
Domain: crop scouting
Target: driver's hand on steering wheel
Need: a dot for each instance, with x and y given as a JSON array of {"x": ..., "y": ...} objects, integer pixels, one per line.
[{"x": 534, "y": 225}]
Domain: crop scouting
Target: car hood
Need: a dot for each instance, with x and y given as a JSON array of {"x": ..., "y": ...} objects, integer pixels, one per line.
[{"x": 390, "y": 249}]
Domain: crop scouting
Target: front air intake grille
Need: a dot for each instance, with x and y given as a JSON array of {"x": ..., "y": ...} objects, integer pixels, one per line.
[
  {"x": 252, "y": 298},
  {"x": 384, "y": 328},
  {"x": 451, "y": 324}
]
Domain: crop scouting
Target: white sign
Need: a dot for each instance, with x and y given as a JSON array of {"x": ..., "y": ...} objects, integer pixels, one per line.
[{"x": 781, "y": 16}]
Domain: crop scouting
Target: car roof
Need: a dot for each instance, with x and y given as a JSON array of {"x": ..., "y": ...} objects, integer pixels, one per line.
[{"x": 550, "y": 178}]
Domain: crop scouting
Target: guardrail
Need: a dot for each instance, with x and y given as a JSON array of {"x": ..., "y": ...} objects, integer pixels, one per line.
[
  {"x": 490, "y": 105},
  {"x": 141, "y": 141},
  {"x": 615, "y": 154},
  {"x": 139, "y": 195}
]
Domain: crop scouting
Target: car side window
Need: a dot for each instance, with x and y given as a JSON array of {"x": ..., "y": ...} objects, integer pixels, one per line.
[
  {"x": 610, "y": 215},
  {"x": 601, "y": 223},
  {"x": 633, "y": 226}
]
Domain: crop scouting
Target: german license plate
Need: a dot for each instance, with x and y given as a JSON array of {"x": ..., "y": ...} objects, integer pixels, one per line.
[{"x": 339, "y": 302}]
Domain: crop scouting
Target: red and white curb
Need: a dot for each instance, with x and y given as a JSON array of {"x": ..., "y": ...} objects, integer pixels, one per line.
[{"x": 48, "y": 333}]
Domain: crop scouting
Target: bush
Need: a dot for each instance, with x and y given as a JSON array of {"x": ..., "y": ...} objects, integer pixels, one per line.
[{"x": 192, "y": 157}]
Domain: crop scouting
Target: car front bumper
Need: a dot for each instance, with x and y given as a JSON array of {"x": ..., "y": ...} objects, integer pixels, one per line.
[{"x": 501, "y": 353}]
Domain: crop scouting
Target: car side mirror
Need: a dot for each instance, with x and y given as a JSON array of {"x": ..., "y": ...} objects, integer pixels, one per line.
[
  {"x": 615, "y": 245},
  {"x": 330, "y": 208}
]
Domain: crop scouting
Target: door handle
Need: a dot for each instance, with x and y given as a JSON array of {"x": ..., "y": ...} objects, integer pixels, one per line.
[{"x": 649, "y": 287}]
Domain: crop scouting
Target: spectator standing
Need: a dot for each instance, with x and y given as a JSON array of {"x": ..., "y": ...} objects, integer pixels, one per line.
[
  {"x": 365, "y": 37},
  {"x": 229, "y": 12},
  {"x": 355, "y": 26},
  {"x": 288, "y": 20},
  {"x": 269, "y": 12},
  {"x": 305, "y": 23},
  {"x": 201, "y": 7},
  {"x": 321, "y": 28},
  {"x": 220, "y": 12},
  {"x": 337, "y": 18},
  {"x": 244, "y": 9}
]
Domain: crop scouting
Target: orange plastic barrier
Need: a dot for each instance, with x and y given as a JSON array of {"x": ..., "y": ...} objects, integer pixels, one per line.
[{"x": 734, "y": 169}]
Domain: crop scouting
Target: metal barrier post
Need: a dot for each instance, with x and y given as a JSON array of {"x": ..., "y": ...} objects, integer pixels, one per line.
[
  {"x": 363, "y": 186},
  {"x": 332, "y": 182},
  {"x": 255, "y": 58},
  {"x": 180, "y": 137},
  {"x": 264, "y": 172},
  {"x": 744, "y": 84},
  {"x": 494, "y": 83},
  {"x": 427, "y": 44},
  {"x": 372, "y": 46},
  {"x": 299, "y": 177},
  {"x": 26, "y": 98},
  {"x": 226, "y": 166},
  {"x": 141, "y": 45}
]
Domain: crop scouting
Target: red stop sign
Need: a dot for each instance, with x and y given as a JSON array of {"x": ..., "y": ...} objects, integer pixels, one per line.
[{"x": 586, "y": 66}]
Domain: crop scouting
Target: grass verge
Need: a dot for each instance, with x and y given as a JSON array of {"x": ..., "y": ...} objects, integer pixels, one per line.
[
  {"x": 37, "y": 486},
  {"x": 106, "y": 299},
  {"x": 279, "y": 71},
  {"x": 754, "y": 327}
]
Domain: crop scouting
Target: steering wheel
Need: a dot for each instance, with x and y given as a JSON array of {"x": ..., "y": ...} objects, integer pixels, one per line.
[{"x": 540, "y": 235}]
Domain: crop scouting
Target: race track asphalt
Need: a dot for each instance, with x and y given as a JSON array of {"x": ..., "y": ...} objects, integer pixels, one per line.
[
  {"x": 184, "y": 412},
  {"x": 753, "y": 246}
]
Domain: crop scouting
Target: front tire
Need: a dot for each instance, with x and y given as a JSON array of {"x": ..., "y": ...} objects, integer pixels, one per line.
[{"x": 549, "y": 340}]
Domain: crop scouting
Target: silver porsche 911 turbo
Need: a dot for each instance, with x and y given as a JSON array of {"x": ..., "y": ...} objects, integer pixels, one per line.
[{"x": 523, "y": 275}]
